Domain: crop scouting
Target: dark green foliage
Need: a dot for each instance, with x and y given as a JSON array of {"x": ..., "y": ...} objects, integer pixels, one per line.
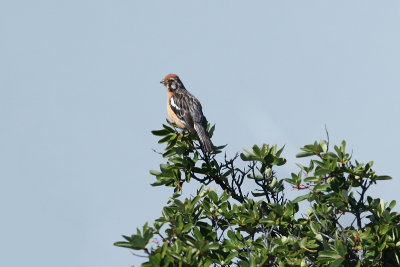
[{"x": 262, "y": 227}]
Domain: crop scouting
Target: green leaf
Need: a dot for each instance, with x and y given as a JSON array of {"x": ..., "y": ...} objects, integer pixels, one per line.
[
  {"x": 254, "y": 176},
  {"x": 321, "y": 172},
  {"x": 313, "y": 227},
  {"x": 257, "y": 151},
  {"x": 273, "y": 182},
  {"x": 319, "y": 237},
  {"x": 255, "y": 194},
  {"x": 279, "y": 152},
  {"x": 211, "y": 131},
  {"x": 329, "y": 254},
  {"x": 154, "y": 260},
  {"x": 301, "y": 198},
  {"x": 392, "y": 204},
  {"x": 160, "y": 132},
  {"x": 155, "y": 173},
  {"x": 138, "y": 242},
  {"x": 304, "y": 154},
  {"x": 381, "y": 206},
  {"x": 213, "y": 196},
  {"x": 337, "y": 262},
  {"x": 340, "y": 248},
  {"x": 197, "y": 234},
  {"x": 279, "y": 161},
  {"x": 123, "y": 244},
  {"x": 231, "y": 234},
  {"x": 187, "y": 227},
  {"x": 383, "y": 177},
  {"x": 166, "y": 138},
  {"x": 244, "y": 157},
  {"x": 228, "y": 259},
  {"x": 312, "y": 179},
  {"x": 321, "y": 187},
  {"x": 330, "y": 155},
  {"x": 343, "y": 145},
  {"x": 324, "y": 145},
  {"x": 169, "y": 153},
  {"x": 382, "y": 246},
  {"x": 214, "y": 246}
]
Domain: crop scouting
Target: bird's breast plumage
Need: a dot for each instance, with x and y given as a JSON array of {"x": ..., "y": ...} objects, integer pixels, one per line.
[{"x": 171, "y": 112}]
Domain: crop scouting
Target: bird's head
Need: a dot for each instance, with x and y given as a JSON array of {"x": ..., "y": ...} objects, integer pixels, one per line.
[{"x": 172, "y": 82}]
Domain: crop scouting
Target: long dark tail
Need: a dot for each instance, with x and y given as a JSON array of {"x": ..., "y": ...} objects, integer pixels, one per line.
[{"x": 205, "y": 141}]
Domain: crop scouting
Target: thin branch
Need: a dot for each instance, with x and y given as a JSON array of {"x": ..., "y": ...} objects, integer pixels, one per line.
[
  {"x": 316, "y": 217},
  {"x": 156, "y": 151}
]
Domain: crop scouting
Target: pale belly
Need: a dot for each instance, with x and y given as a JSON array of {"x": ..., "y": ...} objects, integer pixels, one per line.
[{"x": 174, "y": 118}]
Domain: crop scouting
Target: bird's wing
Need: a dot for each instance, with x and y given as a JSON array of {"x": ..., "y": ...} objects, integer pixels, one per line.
[{"x": 186, "y": 107}]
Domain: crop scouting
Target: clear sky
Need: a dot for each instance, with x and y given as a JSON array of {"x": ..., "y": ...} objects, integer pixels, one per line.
[{"x": 80, "y": 93}]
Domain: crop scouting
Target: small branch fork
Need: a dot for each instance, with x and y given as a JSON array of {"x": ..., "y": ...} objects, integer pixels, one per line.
[
  {"x": 233, "y": 184},
  {"x": 236, "y": 175}
]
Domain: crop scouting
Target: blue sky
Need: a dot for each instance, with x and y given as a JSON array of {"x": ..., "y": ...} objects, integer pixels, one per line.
[{"x": 80, "y": 93}]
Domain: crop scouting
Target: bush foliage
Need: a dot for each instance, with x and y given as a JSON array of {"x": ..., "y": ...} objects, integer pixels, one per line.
[{"x": 260, "y": 226}]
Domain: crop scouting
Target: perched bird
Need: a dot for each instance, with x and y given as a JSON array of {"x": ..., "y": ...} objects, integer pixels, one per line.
[{"x": 185, "y": 110}]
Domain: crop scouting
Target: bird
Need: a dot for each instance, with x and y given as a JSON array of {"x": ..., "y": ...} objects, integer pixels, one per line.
[{"x": 185, "y": 110}]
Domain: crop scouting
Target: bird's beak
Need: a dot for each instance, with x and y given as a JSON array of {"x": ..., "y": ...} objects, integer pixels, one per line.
[{"x": 163, "y": 82}]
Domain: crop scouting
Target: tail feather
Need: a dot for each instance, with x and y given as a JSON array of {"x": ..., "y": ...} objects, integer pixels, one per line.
[{"x": 205, "y": 141}]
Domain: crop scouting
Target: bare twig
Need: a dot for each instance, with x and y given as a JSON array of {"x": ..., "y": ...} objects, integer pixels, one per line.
[{"x": 156, "y": 151}]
